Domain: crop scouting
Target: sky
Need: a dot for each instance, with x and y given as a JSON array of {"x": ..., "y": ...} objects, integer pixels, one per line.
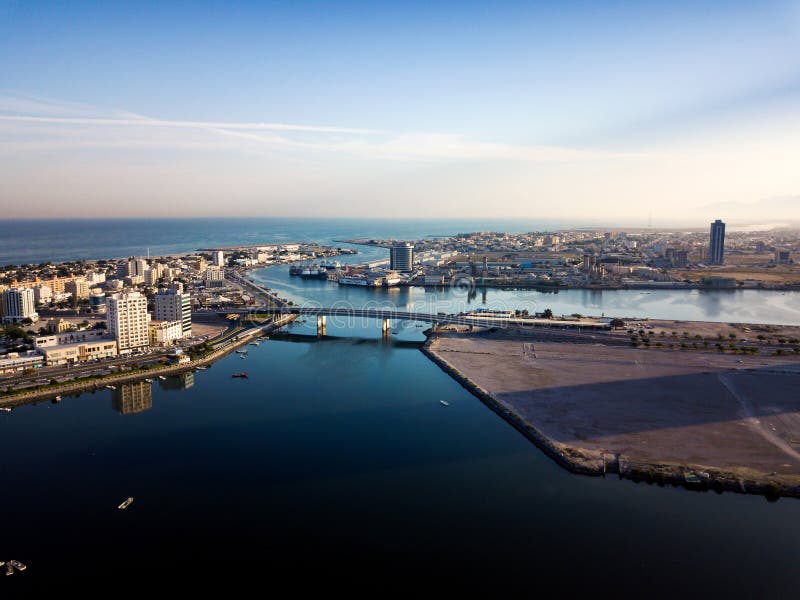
[{"x": 613, "y": 112}]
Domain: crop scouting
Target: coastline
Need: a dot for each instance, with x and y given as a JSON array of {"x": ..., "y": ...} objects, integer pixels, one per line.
[
  {"x": 593, "y": 462},
  {"x": 73, "y": 387}
]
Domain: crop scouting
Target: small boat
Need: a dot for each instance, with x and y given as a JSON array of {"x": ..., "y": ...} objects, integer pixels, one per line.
[
  {"x": 241, "y": 352},
  {"x": 444, "y": 403},
  {"x": 242, "y": 356},
  {"x": 149, "y": 380},
  {"x": 202, "y": 368},
  {"x": 253, "y": 344},
  {"x": 110, "y": 387},
  {"x": 162, "y": 378},
  {"x": 57, "y": 398},
  {"x": 126, "y": 503},
  {"x": 5, "y": 409},
  {"x": 241, "y": 375}
]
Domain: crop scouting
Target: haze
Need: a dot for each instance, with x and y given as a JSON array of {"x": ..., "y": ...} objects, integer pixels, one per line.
[{"x": 679, "y": 112}]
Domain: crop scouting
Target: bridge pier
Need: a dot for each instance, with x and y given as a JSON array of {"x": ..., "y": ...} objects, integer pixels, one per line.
[
  {"x": 386, "y": 327},
  {"x": 321, "y": 325}
]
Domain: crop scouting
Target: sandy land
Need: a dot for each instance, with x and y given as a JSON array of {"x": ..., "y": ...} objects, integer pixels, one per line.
[
  {"x": 209, "y": 329},
  {"x": 654, "y": 406}
]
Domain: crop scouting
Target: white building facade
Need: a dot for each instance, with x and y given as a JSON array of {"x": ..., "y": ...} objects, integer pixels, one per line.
[
  {"x": 128, "y": 320},
  {"x": 19, "y": 304},
  {"x": 174, "y": 305}
]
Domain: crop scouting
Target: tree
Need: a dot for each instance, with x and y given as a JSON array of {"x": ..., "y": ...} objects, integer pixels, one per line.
[
  {"x": 617, "y": 323},
  {"x": 547, "y": 314}
]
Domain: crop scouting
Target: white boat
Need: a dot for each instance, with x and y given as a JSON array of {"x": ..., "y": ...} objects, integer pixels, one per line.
[
  {"x": 126, "y": 503},
  {"x": 241, "y": 352},
  {"x": 149, "y": 380},
  {"x": 57, "y": 398},
  {"x": 353, "y": 280},
  {"x": 5, "y": 409},
  {"x": 162, "y": 378},
  {"x": 444, "y": 403},
  {"x": 202, "y": 368},
  {"x": 110, "y": 387}
]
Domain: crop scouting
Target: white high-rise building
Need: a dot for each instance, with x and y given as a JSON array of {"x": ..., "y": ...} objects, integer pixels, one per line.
[
  {"x": 42, "y": 293},
  {"x": 128, "y": 320},
  {"x": 153, "y": 274},
  {"x": 139, "y": 267},
  {"x": 173, "y": 305},
  {"x": 19, "y": 304},
  {"x": 219, "y": 258}
]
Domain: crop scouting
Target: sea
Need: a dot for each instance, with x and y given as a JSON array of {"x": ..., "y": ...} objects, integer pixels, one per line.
[{"x": 335, "y": 464}]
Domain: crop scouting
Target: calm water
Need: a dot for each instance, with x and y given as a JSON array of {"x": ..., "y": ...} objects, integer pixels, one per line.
[
  {"x": 751, "y": 306},
  {"x": 336, "y": 459},
  {"x": 34, "y": 241}
]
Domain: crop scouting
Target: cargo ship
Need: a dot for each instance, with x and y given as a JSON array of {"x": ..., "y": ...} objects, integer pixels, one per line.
[{"x": 309, "y": 271}]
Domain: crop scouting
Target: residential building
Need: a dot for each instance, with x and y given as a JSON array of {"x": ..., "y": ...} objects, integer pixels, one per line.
[
  {"x": 139, "y": 267},
  {"x": 153, "y": 274},
  {"x": 717, "y": 243},
  {"x": 42, "y": 293},
  {"x": 214, "y": 277},
  {"x": 174, "y": 305},
  {"x": 782, "y": 257},
  {"x": 127, "y": 320},
  {"x": 219, "y": 258},
  {"x": 19, "y": 304},
  {"x": 96, "y": 277},
  {"x": 401, "y": 257},
  {"x": 79, "y": 288},
  {"x": 165, "y": 333}
]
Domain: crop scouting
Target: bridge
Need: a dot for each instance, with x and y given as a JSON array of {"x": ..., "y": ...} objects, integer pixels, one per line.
[
  {"x": 387, "y": 315},
  {"x": 274, "y": 304}
]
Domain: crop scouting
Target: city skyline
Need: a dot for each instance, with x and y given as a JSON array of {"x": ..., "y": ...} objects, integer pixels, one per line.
[{"x": 620, "y": 114}]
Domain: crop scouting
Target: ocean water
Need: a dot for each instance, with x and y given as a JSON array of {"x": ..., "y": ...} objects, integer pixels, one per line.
[{"x": 35, "y": 241}]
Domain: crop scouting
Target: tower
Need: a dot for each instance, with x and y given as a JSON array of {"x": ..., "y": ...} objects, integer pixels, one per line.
[{"x": 716, "y": 248}]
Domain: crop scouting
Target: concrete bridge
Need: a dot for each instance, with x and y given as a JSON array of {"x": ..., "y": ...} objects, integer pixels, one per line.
[{"x": 387, "y": 315}]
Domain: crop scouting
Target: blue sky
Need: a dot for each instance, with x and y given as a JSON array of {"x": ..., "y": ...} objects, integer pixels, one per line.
[{"x": 608, "y": 110}]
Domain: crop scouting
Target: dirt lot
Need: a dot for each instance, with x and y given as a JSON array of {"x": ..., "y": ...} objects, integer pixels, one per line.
[
  {"x": 698, "y": 408},
  {"x": 208, "y": 329}
]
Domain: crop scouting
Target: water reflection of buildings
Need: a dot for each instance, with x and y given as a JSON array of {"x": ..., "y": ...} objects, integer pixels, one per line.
[
  {"x": 181, "y": 381},
  {"x": 132, "y": 398}
]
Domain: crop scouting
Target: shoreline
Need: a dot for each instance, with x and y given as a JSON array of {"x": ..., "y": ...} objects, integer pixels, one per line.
[
  {"x": 585, "y": 461},
  {"x": 99, "y": 383}
]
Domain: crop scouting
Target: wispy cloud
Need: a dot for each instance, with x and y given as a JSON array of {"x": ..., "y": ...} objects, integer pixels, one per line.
[
  {"x": 148, "y": 122},
  {"x": 107, "y": 129}
]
